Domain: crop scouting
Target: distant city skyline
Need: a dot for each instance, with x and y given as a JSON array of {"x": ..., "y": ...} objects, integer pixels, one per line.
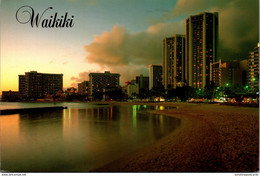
[{"x": 122, "y": 37}]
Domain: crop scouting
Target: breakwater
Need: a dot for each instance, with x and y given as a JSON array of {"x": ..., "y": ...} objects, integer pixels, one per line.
[{"x": 28, "y": 110}]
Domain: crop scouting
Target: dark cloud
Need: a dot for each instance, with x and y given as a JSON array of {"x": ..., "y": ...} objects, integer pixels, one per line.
[
  {"x": 238, "y": 23},
  {"x": 239, "y": 28}
]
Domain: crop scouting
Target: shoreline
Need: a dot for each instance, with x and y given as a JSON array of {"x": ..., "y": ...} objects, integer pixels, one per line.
[{"x": 211, "y": 138}]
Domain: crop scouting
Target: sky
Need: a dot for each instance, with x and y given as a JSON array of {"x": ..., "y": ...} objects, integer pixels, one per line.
[{"x": 120, "y": 36}]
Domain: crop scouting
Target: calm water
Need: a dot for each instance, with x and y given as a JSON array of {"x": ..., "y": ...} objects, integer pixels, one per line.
[{"x": 80, "y": 138}]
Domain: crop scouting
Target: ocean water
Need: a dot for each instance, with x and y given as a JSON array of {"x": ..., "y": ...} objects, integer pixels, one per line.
[{"x": 80, "y": 138}]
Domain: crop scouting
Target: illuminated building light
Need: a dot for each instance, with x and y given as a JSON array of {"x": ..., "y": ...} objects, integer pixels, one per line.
[
  {"x": 64, "y": 113},
  {"x": 69, "y": 113},
  {"x": 161, "y": 107},
  {"x": 134, "y": 116}
]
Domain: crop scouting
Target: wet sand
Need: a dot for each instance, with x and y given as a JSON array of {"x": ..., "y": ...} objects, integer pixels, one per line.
[{"x": 211, "y": 138}]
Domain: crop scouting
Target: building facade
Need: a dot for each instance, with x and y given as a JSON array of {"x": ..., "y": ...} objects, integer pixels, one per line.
[
  {"x": 38, "y": 85},
  {"x": 155, "y": 76},
  {"x": 83, "y": 88},
  {"x": 132, "y": 89},
  {"x": 226, "y": 73},
  {"x": 173, "y": 60},
  {"x": 142, "y": 81},
  {"x": 201, "y": 48},
  {"x": 253, "y": 70},
  {"x": 99, "y": 81}
]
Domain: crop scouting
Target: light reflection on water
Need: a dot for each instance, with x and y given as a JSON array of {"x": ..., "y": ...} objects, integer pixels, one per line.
[{"x": 79, "y": 138}]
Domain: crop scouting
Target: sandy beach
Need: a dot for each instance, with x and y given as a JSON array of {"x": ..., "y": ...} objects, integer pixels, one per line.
[{"x": 211, "y": 138}]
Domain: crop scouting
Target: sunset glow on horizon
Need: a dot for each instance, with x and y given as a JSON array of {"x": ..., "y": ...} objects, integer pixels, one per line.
[{"x": 119, "y": 36}]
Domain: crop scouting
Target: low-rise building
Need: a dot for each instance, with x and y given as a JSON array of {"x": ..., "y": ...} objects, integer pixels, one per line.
[
  {"x": 37, "y": 85},
  {"x": 99, "y": 81}
]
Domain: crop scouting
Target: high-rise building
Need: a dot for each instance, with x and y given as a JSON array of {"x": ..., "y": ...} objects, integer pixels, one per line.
[
  {"x": 201, "y": 48},
  {"x": 83, "y": 88},
  {"x": 253, "y": 70},
  {"x": 155, "y": 76},
  {"x": 38, "y": 85},
  {"x": 226, "y": 73},
  {"x": 173, "y": 61},
  {"x": 142, "y": 81},
  {"x": 99, "y": 81}
]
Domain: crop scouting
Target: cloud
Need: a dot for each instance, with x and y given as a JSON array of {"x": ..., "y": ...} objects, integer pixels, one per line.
[
  {"x": 129, "y": 54},
  {"x": 192, "y": 7},
  {"x": 52, "y": 61},
  {"x": 239, "y": 27},
  {"x": 83, "y": 76},
  {"x": 120, "y": 47}
]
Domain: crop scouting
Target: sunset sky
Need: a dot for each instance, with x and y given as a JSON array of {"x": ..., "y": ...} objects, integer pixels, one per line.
[{"x": 122, "y": 36}]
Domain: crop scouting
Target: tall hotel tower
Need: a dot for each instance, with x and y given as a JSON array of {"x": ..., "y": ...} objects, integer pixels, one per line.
[
  {"x": 155, "y": 76},
  {"x": 173, "y": 61},
  {"x": 201, "y": 48},
  {"x": 253, "y": 70}
]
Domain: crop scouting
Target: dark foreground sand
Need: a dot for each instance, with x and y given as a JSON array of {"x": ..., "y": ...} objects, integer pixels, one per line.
[{"x": 212, "y": 138}]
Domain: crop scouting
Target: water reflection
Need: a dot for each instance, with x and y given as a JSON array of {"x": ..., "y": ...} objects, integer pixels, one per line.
[{"x": 78, "y": 138}]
